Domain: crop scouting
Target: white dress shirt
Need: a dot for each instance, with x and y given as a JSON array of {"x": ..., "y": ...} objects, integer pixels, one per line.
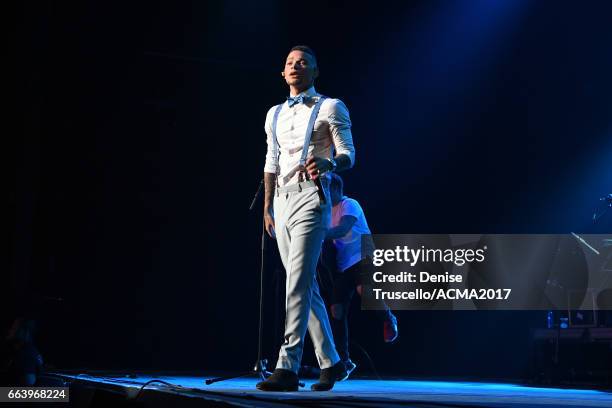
[
  {"x": 331, "y": 133},
  {"x": 348, "y": 247}
]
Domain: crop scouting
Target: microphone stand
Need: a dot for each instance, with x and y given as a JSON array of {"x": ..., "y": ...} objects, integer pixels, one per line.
[{"x": 260, "y": 367}]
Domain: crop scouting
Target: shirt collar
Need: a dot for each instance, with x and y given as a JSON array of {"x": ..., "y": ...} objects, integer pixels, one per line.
[{"x": 308, "y": 92}]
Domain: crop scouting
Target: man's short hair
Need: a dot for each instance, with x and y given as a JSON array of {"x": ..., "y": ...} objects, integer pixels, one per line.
[
  {"x": 307, "y": 50},
  {"x": 336, "y": 182}
]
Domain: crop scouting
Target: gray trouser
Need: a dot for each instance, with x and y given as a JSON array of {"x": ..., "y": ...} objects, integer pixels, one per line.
[{"x": 301, "y": 222}]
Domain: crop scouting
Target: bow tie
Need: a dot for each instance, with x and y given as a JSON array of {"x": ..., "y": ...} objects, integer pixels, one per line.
[{"x": 297, "y": 99}]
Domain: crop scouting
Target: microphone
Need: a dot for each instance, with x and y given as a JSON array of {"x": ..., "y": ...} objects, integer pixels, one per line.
[
  {"x": 319, "y": 185},
  {"x": 321, "y": 192}
]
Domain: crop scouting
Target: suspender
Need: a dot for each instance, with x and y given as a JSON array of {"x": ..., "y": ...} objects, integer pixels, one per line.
[
  {"x": 311, "y": 122},
  {"x": 275, "y": 145},
  {"x": 307, "y": 137}
]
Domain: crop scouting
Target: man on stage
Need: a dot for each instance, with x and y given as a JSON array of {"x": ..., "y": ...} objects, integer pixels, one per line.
[{"x": 308, "y": 137}]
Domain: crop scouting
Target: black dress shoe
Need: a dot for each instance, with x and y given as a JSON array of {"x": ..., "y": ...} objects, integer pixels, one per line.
[
  {"x": 280, "y": 380},
  {"x": 329, "y": 376}
]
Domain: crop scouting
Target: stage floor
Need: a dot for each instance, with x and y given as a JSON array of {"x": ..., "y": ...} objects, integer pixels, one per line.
[{"x": 354, "y": 392}]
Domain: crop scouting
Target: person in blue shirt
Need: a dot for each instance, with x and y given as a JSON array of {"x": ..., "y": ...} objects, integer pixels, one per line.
[{"x": 349, "y": 266}]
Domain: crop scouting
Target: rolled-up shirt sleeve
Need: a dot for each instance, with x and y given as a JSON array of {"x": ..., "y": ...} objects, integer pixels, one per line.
[
  {"x": 271, "y": 164},
  {"x": 340, "y": 129}
]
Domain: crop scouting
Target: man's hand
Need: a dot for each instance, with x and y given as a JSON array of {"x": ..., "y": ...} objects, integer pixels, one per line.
[
  {"x": 270, "y": 187},
  {"x": 343, "y": 227},
  {"x": 317, "y": 165},
  {"x": 269, "y": 222}
]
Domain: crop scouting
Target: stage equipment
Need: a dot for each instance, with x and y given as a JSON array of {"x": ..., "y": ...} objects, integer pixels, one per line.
[{"x": 261, "y": 364}]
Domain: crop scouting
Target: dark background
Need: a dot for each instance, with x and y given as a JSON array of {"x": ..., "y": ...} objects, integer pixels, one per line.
[{"x": 138, "y": 144}]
